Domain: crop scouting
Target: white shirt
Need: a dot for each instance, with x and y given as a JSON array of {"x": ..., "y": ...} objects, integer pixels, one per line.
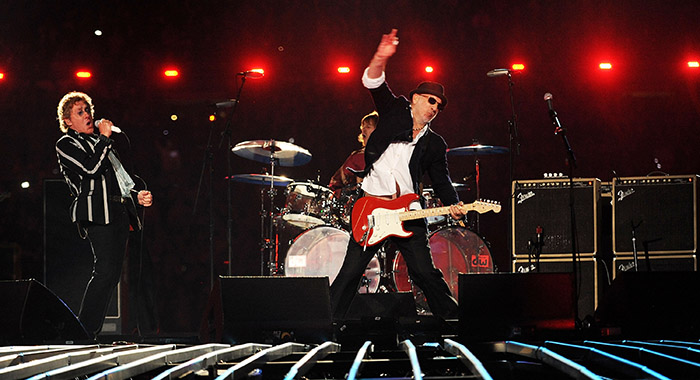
[{"x": 391, "y": 168}]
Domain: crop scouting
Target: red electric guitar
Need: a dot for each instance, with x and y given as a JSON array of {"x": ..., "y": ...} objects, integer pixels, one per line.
[{"x": 375, "y": 219}]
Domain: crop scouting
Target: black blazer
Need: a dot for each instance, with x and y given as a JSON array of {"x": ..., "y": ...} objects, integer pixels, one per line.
[{"x": 430, "y": 155}]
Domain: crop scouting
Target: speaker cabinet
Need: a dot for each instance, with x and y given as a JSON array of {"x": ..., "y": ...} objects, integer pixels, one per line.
[
  {"x": 660, "y": 213},
  {"x": 661, "y": 263},
  {"x": 502, "y": 306},
  {"x": 276, "y": 309},
  {"x": 545, "y": 203},
  {"x": 32, "y": 314},
  {"x": 652, "y": 305},
  {"x": 587, "y": 280},
  {"x": 68, "y": 259}
]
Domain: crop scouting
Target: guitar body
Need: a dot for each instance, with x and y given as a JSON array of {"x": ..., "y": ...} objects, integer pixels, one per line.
[{"x": 375, "y": 219}]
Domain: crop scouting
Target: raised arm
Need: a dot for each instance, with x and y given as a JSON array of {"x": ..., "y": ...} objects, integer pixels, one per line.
[{"x": 386, "y": 48}]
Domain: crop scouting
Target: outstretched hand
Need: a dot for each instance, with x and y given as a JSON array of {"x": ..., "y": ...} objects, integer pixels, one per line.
[{"x": 387, "y": 46}]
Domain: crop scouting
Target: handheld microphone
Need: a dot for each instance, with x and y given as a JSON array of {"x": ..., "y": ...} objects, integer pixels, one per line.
[
  {"x": 498, "y": 72},
  {"x": 253, "y": 74},
  {"x": 114, "y": 128}
]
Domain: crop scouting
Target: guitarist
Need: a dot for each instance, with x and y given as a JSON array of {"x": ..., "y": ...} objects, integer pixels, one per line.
[{"x": 399, "y": 152}]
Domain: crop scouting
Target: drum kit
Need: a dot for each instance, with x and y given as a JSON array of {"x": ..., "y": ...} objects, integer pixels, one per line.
[{"x": 317, "y": 222}]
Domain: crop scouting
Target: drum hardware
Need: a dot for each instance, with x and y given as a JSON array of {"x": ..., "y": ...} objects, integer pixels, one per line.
[
  {"x": 274, "y": 153},
  {"x": 477, "y": 150}
]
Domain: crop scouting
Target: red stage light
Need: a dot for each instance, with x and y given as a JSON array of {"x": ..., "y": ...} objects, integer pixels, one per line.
[
  {"x": 2, "y": 76},
  {"x": 171, "y": 73},
  {"x": 605, "y": 66},
  {"x": 343, "y": 70},
  {"x": 83, "y": 74},
  {"x": 693, "y": 64},
  {"x": 429, "y": 69},
  {"x": 518, "y": 67},
  {"x": 212, "y": 117}
]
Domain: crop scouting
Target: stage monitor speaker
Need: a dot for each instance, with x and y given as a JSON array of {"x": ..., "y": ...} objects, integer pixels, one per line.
[
  {"x": 652, "y": 305},
  {"x": 32, "y": 314},
  {"x": 588, "y": 281},
  {"x": 659, "y": 263},
  {"x": 382, "y": 305},
  {"x": 511, "y": 305},
  {"x": 68, "y": 259},
  {"x": 663, "y": 211},
  {"x": 545, "y": 204},
  {"x": 276, "y": 309}
]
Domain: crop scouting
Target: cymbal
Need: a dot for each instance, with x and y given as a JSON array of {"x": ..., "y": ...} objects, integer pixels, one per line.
[
  {"x": 457, "y": 187},
  {"x": 262, "y": 179},
  {"x": 284, "y": 153},
  {"x": 477, "y": 150}
]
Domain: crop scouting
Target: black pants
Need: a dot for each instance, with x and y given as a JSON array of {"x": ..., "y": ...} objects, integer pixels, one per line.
[
  {"x": 416, "y": 252},
  {"x": 108, "y": 248}
]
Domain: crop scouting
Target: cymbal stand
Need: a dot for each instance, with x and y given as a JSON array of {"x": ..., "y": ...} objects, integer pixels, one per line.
[{"x": 271, "y": 246}]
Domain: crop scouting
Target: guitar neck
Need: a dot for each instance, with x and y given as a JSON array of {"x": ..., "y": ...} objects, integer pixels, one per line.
[{"x": 424, "y": 213}]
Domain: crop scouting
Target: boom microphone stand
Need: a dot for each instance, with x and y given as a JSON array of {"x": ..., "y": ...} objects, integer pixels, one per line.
[{"x": 571, "y": 162}]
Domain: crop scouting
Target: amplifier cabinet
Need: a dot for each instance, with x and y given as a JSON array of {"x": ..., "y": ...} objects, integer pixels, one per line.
[
  {"x": 545, "y": 203},
  {"x": 658, "y": 212},
  {"x": 658, "y": 263},
  {"x": 588, "y": 279}
]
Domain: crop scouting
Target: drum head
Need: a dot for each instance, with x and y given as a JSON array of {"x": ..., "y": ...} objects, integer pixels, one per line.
[
  {"x": 454, "y": 250},
  {"x": 302, "y": 220},
  {"x": 320, "y": 251}
]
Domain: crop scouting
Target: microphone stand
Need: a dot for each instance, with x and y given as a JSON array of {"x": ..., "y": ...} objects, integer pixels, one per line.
[
  {"x": 226, "y": 134},
  {"x": 513, "y": 140},
  {"x": 571, "y": 162},
  {"x": 208, "y": 158}
]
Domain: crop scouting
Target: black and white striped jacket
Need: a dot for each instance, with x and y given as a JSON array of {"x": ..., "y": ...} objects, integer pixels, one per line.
[{"x": 90, "y": 176}]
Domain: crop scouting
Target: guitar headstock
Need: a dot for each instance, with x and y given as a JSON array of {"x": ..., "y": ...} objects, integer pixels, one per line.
[{"x": 484, "y": 205}]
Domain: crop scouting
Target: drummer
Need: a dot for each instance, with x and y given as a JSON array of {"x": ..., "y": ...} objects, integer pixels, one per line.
[{"x": 344, "y": 176}]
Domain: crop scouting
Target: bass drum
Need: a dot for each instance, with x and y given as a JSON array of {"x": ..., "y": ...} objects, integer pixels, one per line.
[
  {"x": 455, "y": 250},
  {"x": 320, "y": 251}
]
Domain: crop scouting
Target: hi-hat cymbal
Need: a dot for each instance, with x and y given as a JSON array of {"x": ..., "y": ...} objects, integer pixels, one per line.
[
  {"x": 262, "y": 179},
  {"x": 284, "y": 153},
  {"x": 457, "y": 187},
  {"x": 477, "y": 150}
]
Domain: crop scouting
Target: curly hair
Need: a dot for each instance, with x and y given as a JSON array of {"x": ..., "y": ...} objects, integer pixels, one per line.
[{"x": 65, "y": 106}]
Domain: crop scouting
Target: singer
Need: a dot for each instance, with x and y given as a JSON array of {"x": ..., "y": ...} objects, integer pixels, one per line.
[{"x": 104, "y": 199}]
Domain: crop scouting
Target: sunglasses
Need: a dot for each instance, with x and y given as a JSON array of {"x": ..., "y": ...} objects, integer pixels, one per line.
[{"x": 433, "y": 100}]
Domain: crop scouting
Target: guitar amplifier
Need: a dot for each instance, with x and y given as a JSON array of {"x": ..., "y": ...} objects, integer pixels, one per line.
[
  {"x": 659, "y": 213},
  {"x": 545, "y": 204},
  {"x": 588, "y": 280}
]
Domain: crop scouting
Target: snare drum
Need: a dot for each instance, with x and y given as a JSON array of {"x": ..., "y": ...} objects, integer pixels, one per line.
[
  {"x": 454, "y": 250},
  {"x": 432, "y": 202},
  {"x": 320, "y": 251},
  {"x": 307, "y": 204}
]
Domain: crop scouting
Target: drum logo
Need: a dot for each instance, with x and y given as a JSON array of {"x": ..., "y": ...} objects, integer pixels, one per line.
[
  {"x": 523, "y": 197},
  {"x": 481, "y": 261}
]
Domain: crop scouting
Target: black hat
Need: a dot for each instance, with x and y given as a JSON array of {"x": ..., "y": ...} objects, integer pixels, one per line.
[{"x": 431, "y": 88}]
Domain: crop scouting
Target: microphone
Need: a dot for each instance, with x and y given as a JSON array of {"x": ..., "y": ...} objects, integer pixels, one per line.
[
  {"x": 253, "y": 74},
  {"x": 552, "y": 113},
  {"x": 226, "y": 103},
  {"x": 114, "y": 128},
  {"x": 498, "y": 72}
]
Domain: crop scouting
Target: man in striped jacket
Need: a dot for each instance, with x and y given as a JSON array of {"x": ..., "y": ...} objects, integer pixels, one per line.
[{"x": 104, "y": 199}]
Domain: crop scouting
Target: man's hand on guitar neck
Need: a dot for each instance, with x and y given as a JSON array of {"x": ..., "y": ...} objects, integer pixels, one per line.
[{"x": 457, "y": 212}]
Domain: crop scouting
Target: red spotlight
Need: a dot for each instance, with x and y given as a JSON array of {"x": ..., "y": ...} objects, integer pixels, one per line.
[
  {"x": 343, "y": 69},
  {"x": 429, "y": 69},
  {"x": 605, "y": 66},
  {"x": 2, "y": 75},
  {"x": 518, "y": 67},
  {"x": 83, "y": 74},
  {"x": 693, "y": 64},
  {"x": 212, "y": 117},
  {"x": 171, "y": 73}
]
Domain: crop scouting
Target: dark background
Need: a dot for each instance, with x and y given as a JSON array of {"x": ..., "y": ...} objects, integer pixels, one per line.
[{"x": 641, "y": 114}]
